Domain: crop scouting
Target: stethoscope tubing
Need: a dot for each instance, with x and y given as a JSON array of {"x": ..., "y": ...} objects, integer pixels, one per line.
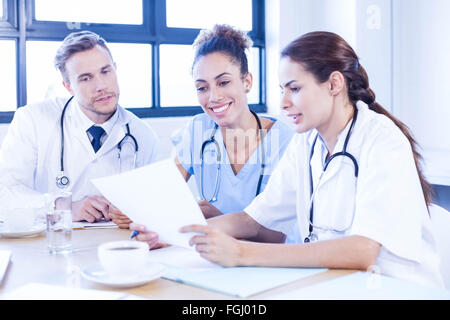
[
  {"x": 313, "y": 190},
  {"x": 62, "y": 132},
  {"x": 218, "y": 160},
  {"x": 62, "y": 181},
  {"x": 212, "y": 139}
]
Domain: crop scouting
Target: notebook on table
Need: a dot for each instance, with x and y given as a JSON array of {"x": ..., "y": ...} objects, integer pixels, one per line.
[{"x": 187, "y": 266}]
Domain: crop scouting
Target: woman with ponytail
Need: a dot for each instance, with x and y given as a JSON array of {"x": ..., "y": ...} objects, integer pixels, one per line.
[{"x": 350, "y": 177}]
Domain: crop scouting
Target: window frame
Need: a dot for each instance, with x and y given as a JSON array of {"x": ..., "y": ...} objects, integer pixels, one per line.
[
  {"x": 20, "y": 24},
  {"x": 9, "y": 21}
]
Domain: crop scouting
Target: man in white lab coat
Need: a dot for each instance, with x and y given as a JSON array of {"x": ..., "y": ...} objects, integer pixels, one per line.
[{"x": 62, "y": 143}]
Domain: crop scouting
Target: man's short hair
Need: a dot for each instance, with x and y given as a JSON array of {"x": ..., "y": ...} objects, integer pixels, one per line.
[{"x": 74, "y": 43}]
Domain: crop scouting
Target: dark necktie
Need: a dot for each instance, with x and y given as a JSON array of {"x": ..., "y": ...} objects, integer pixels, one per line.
[{"x": 96, "y": 133}]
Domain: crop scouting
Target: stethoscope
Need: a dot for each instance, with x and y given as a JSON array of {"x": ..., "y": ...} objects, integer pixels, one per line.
[
  {"x": 62, "y": 181},
  {"x": 313, "y": 236},
  {"x": 212, "y": 140}
]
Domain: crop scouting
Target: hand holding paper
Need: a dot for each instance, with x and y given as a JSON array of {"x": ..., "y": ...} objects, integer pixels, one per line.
[
  {"x": 141, "y": 233},
  {"x": 119, "y": 218},
  {"x": 157, "y": 197},
  {"x": 215, "y": 245}
]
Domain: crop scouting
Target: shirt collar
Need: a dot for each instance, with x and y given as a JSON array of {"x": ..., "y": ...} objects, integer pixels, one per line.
[
  {"x": 341, "y": 137},
  {"x": 86, "y": 123},
  {"x": 320, "y": 143}
]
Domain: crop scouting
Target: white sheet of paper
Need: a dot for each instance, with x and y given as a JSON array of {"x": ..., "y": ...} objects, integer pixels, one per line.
[
  {"x": 157, "y": 197},
  {"x": 41, "y": 291},
  {"x": 179, "y": 257}
]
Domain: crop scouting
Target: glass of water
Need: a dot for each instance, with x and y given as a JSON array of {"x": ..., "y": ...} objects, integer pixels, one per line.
[{"x": 59, "y": 223}]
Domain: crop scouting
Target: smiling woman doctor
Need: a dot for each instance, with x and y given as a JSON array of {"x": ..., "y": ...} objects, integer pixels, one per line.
[
  {"x": 350, "y": 177},
  {"x": 229, "y": 150}
]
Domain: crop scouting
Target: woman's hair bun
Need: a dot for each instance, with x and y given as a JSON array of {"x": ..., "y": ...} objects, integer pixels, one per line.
[{"x": 223, "y": 31}]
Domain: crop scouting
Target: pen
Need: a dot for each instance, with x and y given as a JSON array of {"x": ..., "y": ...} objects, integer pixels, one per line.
[{"x": 134, "y": 234}]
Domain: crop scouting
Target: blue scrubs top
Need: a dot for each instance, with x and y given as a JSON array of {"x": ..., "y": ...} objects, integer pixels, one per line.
[{"x": 235, "y": 192}]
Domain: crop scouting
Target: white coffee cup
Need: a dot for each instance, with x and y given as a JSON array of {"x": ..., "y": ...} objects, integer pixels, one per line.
[
  {"x": 123, "y": 259},
  {"x": 19, "y": 219}
]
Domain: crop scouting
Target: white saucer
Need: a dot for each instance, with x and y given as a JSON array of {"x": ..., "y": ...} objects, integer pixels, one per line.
[
  {"x": 32, "y": 232},
  {"x": 97, "y": 274}
]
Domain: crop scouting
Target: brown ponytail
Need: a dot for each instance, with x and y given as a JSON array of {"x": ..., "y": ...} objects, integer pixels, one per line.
[
  {"x": 375, "y": 106},
  {"x": 322, "y": 53}
]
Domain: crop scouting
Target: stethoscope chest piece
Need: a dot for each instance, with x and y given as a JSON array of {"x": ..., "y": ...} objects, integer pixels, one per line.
[
  {"x": 217, "y": 151},
  {"x": 62, "y": 181},
  {"x": 311, "y": 238}
]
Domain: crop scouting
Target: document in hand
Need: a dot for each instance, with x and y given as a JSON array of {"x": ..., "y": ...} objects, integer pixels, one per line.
[{"x": 156, "y": 196}]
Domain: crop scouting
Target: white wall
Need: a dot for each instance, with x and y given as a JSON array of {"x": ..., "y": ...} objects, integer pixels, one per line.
[
  {"x": 288, "y": 19},
  {"x": 404, "y": 47},
  {"x": 421, "y": 79},
  {"x": 165, "y": 127},
  {"x": 364, "y": 24}
]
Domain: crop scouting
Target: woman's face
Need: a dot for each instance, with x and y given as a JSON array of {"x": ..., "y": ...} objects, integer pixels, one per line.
[
  {"x": 307, "y": 102},
  {"x": 221, "y": 89}
]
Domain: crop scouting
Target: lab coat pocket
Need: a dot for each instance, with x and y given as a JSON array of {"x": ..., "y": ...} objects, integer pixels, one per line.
[{"x": 334, "y": 202}]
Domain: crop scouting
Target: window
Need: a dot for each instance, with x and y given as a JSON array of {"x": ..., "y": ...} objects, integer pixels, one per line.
[
  {"x": 7, "y": 16},
  {"x": 88, "y": 11},
  {"x": 150, "y": 41},
  {"x": 8, "y": 101},
  {"x": 134, "y": 74},
  {"x": 205, "y": 13},
  {"x": 39, "y": 68},
  {"x": 176, "y": 83}
]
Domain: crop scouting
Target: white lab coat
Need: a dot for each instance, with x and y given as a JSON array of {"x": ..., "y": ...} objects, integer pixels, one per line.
[
  {"x": 31, "y": 151},
  {"x": 385, "y": 204}
]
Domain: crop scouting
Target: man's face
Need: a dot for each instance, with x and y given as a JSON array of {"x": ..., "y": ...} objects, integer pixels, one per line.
[{"x": 92, "y": 79}]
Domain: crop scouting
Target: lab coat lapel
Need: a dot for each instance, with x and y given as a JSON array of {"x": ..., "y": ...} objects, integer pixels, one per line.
[
  {"x": 332, "y": 169},
  {"x": 354, "y": 143},
  {"x": 322, "y": 179},
  {"x": 315, "y": 162},
  {"x": 335, "y": 164},
  {"x": 73, "y": 130},
  {"x": 78, "y": 151},
  {"x": 304, "y": 195}
]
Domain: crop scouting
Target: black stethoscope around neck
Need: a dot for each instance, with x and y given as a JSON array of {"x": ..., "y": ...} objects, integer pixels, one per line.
[
  {"x": 313, "y": 236},
  {"x": 212, "y": 140},
  {"x": 62, "y": 181}
]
